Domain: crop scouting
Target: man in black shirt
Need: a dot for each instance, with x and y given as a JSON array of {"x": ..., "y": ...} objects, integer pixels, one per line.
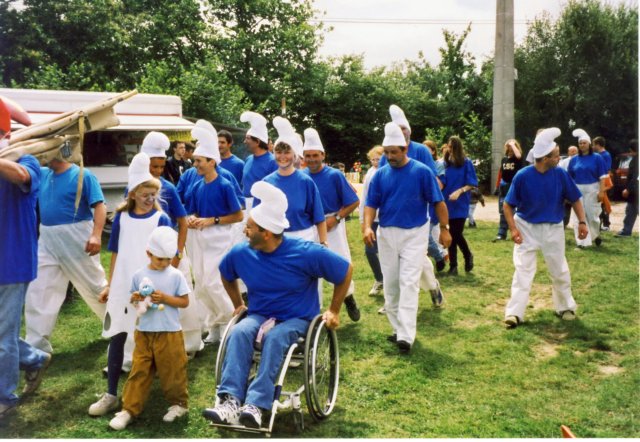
[{"x": 176, "y": 164}]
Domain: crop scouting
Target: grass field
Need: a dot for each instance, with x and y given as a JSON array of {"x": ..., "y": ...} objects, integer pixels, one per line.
[{"x": 466, "y": 376}]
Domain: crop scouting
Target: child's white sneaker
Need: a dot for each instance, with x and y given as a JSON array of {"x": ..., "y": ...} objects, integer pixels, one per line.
[
  {"x": 175, "y": 411},
  {"x": 105, "y": 404},
  {"x": 121, "y": 420}
]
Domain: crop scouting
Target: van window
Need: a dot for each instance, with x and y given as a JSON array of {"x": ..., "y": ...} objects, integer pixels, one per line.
[{"x": 111, "y": 148}]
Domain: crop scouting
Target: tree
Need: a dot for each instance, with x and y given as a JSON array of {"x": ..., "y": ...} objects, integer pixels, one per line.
[{"x": 581, "y": 70}]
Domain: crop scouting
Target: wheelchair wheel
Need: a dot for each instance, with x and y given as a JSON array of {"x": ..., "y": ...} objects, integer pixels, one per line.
[
  {"x": 222, "y": 350},
  {"x": 321, "y": 369}
]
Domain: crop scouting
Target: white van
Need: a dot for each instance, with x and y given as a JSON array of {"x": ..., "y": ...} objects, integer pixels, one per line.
[{"x": 107, "y": 153}]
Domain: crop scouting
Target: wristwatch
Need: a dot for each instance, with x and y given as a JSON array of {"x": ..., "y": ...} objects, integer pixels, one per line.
[
  {"x": 583, "y": 222},
  {"x": 444, "y": 226},
  {"x": 216, "y": 220},
  {"x": 338, "y": 217},
  {"x": 179, "y": 255}
]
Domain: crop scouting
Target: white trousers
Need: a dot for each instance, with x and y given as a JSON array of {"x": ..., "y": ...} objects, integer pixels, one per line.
[
  {"x": 549, "y": 239},
  {"x": 402, "y": 259},
  {"x": 338, "y": 243},
  {"x": 592, "y": 213},
  {"x": 61, "y": 258},
  {"x": 209, "y": 246},
  {"x": 190, "y": 319}
]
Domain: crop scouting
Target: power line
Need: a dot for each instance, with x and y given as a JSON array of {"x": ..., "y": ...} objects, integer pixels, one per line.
[{"x": 408, "y": 21}]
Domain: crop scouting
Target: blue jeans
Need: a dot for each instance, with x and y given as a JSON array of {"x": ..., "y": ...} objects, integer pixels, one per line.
[
  {"x": 433, "y": 249},
  {"x": 372, "y": 256},
  {"x": 237, "y": 362},
  {"x": 15, "y": 353},
  {"x": 504, "y": 189}
]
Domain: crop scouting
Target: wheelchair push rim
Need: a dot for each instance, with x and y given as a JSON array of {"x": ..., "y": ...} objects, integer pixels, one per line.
[{"x": 321, "y": 369}]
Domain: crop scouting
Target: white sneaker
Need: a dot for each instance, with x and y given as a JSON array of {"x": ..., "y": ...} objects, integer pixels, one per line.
[
  {"x": 213, "y": 336},
  {"x": 376, "y": 289},
  {"x": 251, "y": 416},
  {"x": 226, "y": 413},
  {"x": 105, "y": 404},
  {"x": 121, "y": 420},
  {"x": 175, "y": 411}
]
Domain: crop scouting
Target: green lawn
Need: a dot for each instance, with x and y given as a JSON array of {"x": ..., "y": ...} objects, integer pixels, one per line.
[{"x": 466, "y": 376}]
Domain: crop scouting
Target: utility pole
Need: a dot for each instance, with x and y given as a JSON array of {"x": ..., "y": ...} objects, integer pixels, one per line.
[{"x": 503, "y": 126}]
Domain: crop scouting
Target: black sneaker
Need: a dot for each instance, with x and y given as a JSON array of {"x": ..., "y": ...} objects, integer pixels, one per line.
[
  {"x": 440, "y": 265},
  {"x": 404, "y": 347},
  {"x": 392, "y": 338},
  {"x": 453, "y": 271},
  {"x": 472, "y": 225},
  {"x": 352, "y": 308},
  {"x": 598, "y": 241},
  {"x": 468, "y": 263}
]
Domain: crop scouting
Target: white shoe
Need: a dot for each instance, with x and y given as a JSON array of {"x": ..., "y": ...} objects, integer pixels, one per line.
[
  {"x": 213, "y": 336},
  {"x": 228, "y": 412},
  {"x": 121, "y": 420},
  {"x": 175, "y": 411},
  {"x": 376, "y": 289},
  {"x": 105, "y": 404}
]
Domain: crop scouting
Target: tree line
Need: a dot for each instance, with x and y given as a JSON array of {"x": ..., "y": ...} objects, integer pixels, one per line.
[{"x": 225, "y": 56}]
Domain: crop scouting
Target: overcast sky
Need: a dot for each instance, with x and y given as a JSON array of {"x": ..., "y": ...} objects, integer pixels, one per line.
[{"x": 417, "y": 26}]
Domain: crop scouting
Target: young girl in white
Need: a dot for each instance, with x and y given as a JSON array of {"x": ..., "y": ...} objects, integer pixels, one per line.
[
  {"x": 159, "y": 342},
  {"x": 132, "y": 226}
]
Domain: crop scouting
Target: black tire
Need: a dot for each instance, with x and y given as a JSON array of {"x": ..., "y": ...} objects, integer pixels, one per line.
[
  {"x": 321, "y": 369},
  {"x": 222, "y": 349}
]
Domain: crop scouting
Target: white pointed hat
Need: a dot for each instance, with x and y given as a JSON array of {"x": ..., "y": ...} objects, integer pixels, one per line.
[
  {"x": 286, "y": 132},
  {"x": 207, "y": 137},
  {"x": 258, "y": 124},
  {"x": 155, "y": 144},
  {"x": 163, "y": 242},
  {"x": 393, "y": 136},
  {"x": 397, "y": 116},
  {"x": 581, "y": 134},
  {"x": 139, "y": 170},
  {"x": 312, "y": 140},
  {"x": 545, "y": 142},
  {"x": 271, "y": 212}
]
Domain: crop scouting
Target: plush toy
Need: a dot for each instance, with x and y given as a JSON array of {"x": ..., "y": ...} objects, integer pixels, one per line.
[{"x": 146, "y": 289}]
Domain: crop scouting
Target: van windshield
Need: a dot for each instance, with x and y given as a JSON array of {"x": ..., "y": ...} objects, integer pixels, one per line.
[{"x": 111, "y": 148}]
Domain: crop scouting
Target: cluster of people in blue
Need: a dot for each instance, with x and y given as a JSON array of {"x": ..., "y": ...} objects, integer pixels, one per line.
[{"x": 261, "y": 235}]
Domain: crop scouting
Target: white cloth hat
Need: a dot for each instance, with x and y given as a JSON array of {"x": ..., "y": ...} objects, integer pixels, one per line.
[
  {"x": 298, "y": 145},
  {"x": 581, "y": 134},
  {"x": 258, "y": 125},
  {"x": 397, "y": 116},
  {"x": 207, "y": 137},
  {"x": 312, "y": 140},
  {"x": 163, "y": 242},
  {"x": 155, "y": 145},
  {"x": 271, "y": 212},
  {"x": 139, "y": 170},
  {"x": 545, "y": 142},
  {"x": 393, "y": 136},
  {"x": 286, "y": 132}
]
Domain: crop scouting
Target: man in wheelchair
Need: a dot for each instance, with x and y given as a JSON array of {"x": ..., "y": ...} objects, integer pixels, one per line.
[{"x": 281, "y": 275}]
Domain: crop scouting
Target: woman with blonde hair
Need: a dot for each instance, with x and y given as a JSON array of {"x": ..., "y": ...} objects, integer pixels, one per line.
[
  {"x": 371, "y": 252},
  {"x": 133, "y": 223},
  {"x": 511, "y": 163}
]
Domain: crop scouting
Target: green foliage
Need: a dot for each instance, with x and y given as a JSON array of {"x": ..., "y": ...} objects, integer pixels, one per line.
[{"x": 582, "y": 69}]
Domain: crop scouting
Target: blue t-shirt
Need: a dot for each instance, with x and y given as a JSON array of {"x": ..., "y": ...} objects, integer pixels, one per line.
[
  {"x": 283, "y": 284},
  {"x": 304, "y": 203},
  {"x": 169, "y": 281},
  {"x": 164, "y": 220},
  {"x": 586, "y": 169},
  {"x": 169, "y": 201},
  {"x": 335, "y": 190},
  {"x": 255, "y": 169},
  {"x": 57, "y": 197},
  {"x": 402, "y": 195},
  {"x": 455, "y": 178},
  {"x": 185, "y": 184},
  {"x": 606, "y": 156},
  {"x": 216, "y": 198},
  {"x": 235, "y": 183},
  {"x": 18, "y": 227},
  {"x": 539, "y": 197},
  {"x": 234, "y": 165},
  {"x": 418, "y": 152}
]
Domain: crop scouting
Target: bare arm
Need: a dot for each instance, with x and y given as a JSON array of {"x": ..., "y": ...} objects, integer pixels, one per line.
[
  {"x": 14, "y": 173},
  {"x": 368, "y": 235},
  {"x": 195, "y": 222},
  {"x": 92, "y": 247},
  {"x": 332, "y": 315},
  {"x": 443, "y": 216},
  {"x": 233, "y": 290},
  {"x": 578, "y": 208},
  {"x": 345, "y": 211},
  {"x": 322, "y": 232},
  {"x": 516, "y": 237},
  {"x": 174, "y": 301},
  {"x": 182, "y": 239}
]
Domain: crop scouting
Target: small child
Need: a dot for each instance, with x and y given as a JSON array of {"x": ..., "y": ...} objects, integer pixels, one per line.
[
  {"x": 158, "y": 336},
  {"x": 476, "y": 196}
]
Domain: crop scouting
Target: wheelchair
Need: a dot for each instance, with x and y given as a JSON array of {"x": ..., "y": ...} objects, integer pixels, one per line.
[{"x": 317, "y": 355}]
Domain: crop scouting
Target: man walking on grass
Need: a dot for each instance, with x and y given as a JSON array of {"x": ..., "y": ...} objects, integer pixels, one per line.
[{"x": 533, "y": 209}]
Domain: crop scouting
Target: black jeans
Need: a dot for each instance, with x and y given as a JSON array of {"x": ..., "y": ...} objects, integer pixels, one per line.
[{"x": 456, "y": 229}]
